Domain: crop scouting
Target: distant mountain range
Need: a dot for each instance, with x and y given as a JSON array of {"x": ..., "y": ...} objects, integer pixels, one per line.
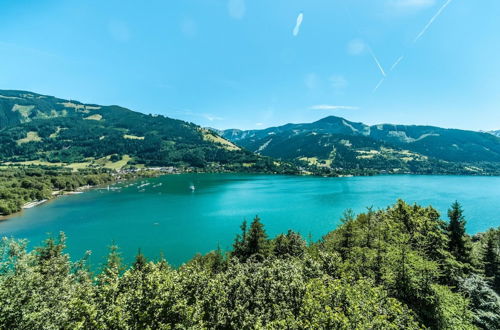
[
  {"x": 45, "y": 130},
  {"x": 337, "y": 143},
  {"x": 40, "y": 129}
]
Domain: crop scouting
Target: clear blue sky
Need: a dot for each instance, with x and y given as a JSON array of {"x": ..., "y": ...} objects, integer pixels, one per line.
[{"x": 245, "y": 63}]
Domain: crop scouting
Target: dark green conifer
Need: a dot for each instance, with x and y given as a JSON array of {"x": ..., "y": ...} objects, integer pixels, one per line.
[
  {"x": 347, "y": 233},
  {"x": 257, "y": 242},
  {"x": 491, "y": 261},
  {"x": 140, "y": 261},
  {"x": 456, "y": 233}
]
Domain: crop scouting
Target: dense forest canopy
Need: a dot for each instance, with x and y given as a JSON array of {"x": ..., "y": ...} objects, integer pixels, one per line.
[{"x": 398, "y": 268}]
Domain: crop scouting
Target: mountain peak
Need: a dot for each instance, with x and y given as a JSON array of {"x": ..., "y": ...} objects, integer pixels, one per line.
[{"x": 330, "y": 119}]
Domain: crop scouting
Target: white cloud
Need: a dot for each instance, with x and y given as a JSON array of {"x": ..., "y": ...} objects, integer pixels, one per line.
[
  {"x": 259, "y": 124},
  {"x": 332, "y": 107},
  {"x": 356, "y": 47},
  {"x": 439, "y": 12},
  {"x": 296, "y": 29},
  {"x": 236, "y": 8}
]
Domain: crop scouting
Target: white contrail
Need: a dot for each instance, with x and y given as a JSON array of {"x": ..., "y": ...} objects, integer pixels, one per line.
[
  {"x": 439, "y": 12},
  {"x": 296, "y": 29},
  {"x": 378, "y": 85},
  {"x": 397, "y": 62},
  {"x": 377, "y": 61}
]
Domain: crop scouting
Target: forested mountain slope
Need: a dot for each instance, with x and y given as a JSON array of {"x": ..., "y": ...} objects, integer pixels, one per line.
[
  {"x": 43, "y": 129},
  {"x": 339, "y": 143}
]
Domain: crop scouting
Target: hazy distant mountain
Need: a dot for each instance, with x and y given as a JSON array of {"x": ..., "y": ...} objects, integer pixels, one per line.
[
  {"x": 337, "y": 142},
  {"x": 43, "y": 129}
]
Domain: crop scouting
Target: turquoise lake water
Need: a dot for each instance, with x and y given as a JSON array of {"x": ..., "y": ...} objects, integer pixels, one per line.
[{"x": 167, "y": 217}]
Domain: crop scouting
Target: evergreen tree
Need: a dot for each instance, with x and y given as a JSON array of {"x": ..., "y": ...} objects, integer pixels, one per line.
[
  {"x": 253, "y": 242},
  {"x": 347, "y": 232},
  {"x": 239, "y": 245},
  {"x": 456, "y": 233},
  {"x": 289, "y": 245},
  {"x": 491, "y": 261},
  {"x": 113, "y": 266},
  {"x": 218, "y": 263},
  {"x": 110, "y": 313},
  {"x": 483, "y": 301},
  {"x": 140, "y": 261},
  {"x": 257, "y": 243}
]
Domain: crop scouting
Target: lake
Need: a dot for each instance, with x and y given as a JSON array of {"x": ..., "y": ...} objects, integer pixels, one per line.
[{"x": 164, "y": 215}]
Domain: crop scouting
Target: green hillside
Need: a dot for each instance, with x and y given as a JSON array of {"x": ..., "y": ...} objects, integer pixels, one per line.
[
  {"x": 39, "y": 129},
  {"x": 336, "y": 143}
]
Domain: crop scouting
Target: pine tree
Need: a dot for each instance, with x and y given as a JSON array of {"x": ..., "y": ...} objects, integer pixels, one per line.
[
  {"x": 257, "y": 242},
  {"x": 253, "y": 242},
  {"x": 140, "y": 261},
  {"x": 239, "y": 245},
  {"x": 456, "y": 233},
  {"x": 113, "y": 266},
  {"x": 491, "y": 261},
  {"x": 219, "y": 261},
  {"x": 289, "y": 245},
  {"x": 347, "y": 233}
]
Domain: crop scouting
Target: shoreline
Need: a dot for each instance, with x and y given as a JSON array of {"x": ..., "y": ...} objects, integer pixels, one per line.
[
  {"x": 119, "y": 184},
  {"x": 160, "y": 172},
  {"x": 55, "y": 194},
  {"x": 80, "y": 190},
  {"x": 33, "y": 204}
]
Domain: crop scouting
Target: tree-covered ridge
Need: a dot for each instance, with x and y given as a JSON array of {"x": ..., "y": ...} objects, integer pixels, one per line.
[
  {"x": 337, "y": 143},
  {"x": 45, "y": 129},
  {"x": 389, "y": 269}
]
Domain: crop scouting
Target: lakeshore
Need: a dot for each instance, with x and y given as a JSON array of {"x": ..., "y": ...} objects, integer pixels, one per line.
[
  {"x": 33, "y": 204},
  {"x": 132, "y": 173},
  {"x": 159, "y": 216},
  {"x": 26, "y": 187}
]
